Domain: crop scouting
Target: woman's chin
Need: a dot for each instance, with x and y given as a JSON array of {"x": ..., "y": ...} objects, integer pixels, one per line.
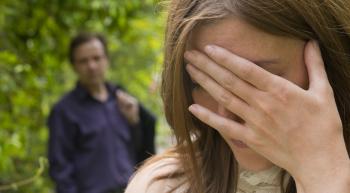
[
  {"x": 255, "y": 167},
  {"x": 250, "y": 160}
]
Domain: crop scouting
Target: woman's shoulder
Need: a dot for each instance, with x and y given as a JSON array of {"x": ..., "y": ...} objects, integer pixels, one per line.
[{"x": 159, "y": 174}]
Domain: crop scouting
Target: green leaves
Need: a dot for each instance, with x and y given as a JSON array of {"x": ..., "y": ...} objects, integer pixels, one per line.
[{"x": 35, "y": 72}]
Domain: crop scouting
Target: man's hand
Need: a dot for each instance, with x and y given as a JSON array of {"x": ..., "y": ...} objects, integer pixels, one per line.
[{"x": 129, "y": 107}]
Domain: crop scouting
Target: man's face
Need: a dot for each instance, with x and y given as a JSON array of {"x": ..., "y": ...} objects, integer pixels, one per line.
[{"x": 90, "y": 63}]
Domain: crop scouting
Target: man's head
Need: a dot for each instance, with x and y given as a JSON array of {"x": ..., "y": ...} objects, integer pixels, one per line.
[{"x": 88, "y": 55}]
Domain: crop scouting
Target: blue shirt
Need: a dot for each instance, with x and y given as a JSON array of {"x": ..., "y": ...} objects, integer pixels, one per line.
[{"x": 92, "y": 148}]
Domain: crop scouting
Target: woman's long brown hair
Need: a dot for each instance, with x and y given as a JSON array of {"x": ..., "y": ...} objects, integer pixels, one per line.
[{"x": 207, "y": 163}]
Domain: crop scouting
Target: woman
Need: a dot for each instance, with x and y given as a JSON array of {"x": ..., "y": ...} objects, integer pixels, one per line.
[{"x": 253, "y": 103}]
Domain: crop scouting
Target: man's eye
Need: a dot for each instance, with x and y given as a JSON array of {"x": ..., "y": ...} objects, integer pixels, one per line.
[
  {"x": 82, "y": 61},
  {"x": 97, "y": 58}
]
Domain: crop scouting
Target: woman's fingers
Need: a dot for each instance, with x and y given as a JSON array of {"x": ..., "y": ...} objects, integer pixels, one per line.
[
  {"x": 223, "y": 76},
  {"x": 226, "y": 126},
  {"x": 318, "y": 80},
  {"x": 220, "y": 94},
  {"x": 244, "y": 69}
]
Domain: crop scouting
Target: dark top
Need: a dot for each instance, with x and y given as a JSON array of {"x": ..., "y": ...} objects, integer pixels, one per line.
[{"x": 92, "y": 149}]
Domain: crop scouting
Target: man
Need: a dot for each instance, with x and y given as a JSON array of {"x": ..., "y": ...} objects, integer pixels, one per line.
[{"x": 98, "y": 132}]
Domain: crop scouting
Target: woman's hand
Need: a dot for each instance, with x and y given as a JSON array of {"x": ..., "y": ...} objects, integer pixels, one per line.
[{"x": 297, "y": 129}]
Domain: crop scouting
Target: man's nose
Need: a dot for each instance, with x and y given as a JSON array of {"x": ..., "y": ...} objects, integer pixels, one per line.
[
  {"x": 91, "y": 64},
  {"x": 228, "y": 114}
]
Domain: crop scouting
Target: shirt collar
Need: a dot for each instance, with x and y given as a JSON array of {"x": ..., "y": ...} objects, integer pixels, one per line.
[
  {"x": 269, "y": 176},
  {"x": 82, "y": 93}
]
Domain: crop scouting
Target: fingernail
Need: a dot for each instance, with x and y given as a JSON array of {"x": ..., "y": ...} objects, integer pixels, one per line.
[
  {"x": 209, "y": 49},
  {"x": 192, "y": 108},
  {"x": 315, "y": 43},
  {"x": 188, "y": 54},
  {"x": 189, "y": 67}
]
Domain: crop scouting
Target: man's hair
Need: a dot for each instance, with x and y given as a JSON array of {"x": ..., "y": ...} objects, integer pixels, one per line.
[{"x": 82, "y": 38}]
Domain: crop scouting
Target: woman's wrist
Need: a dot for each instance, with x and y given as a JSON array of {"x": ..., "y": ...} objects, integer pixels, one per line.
[
  {"x": 328, "y": 175},
  {"x": 339, "y": 183}
]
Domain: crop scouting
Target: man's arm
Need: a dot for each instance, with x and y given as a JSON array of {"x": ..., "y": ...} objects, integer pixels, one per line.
[
  {"x": 142, "y": 124},
  {"x": 61, "y": 151}
]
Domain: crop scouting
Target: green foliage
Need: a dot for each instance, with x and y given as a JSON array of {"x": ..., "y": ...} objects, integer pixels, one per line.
[{"x": 34, "y": 69}]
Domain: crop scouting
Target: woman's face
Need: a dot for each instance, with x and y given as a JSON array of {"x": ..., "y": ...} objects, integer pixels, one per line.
[{"x": 279, "y": 55}]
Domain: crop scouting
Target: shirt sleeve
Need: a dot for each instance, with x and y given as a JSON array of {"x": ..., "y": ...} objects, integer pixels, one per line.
[
  {"x": 61, "y": 151},
  {"x": 143, "y": 133}
]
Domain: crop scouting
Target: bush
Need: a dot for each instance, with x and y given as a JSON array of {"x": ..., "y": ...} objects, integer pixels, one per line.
[{"x": 34, "y": 70}]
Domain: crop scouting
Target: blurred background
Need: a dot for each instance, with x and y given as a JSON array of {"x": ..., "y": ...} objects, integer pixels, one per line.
[{"x": 35, "y": 72}]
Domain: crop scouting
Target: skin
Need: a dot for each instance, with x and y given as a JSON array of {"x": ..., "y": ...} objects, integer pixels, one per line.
[
  {"x": 90, "y": 65},
  {"x": 283, "y": 108},
  {"x": 272, "y": 93},
  {"x": 278, "y": 55}
]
